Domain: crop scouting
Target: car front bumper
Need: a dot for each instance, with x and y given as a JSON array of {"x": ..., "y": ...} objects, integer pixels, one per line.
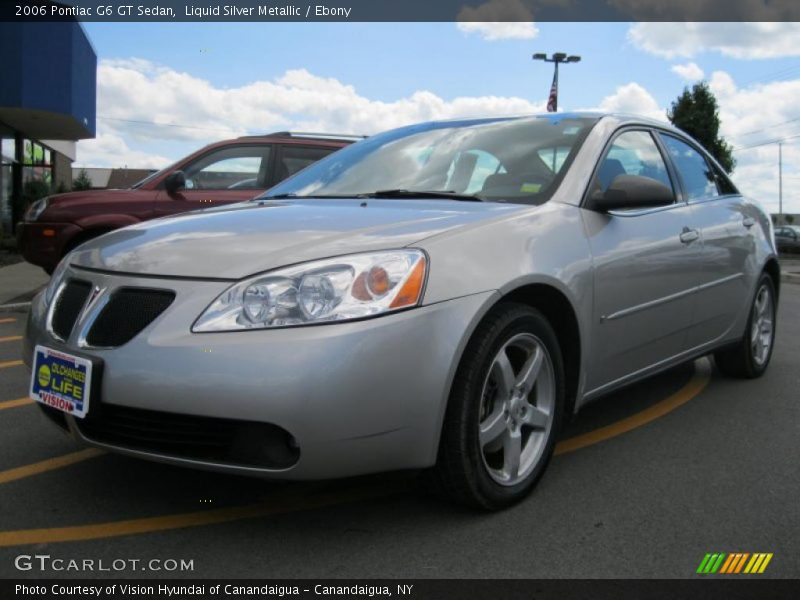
[
  {"x": 42, "y": 244},
  {"x": 356, "y": 397}
]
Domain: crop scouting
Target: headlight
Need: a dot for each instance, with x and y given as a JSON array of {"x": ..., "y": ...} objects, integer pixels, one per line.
[
  {"x": 36, "y": 209},
  {"x": 334, "y": 289}
]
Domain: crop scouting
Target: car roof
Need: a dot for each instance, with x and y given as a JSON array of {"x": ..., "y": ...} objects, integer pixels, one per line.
[
  {"x": 621, "y": 118},
  {"x": 303, "y": 136}
]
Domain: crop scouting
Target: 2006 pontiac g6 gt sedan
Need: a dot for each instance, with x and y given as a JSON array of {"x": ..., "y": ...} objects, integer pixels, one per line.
[{"x": 440, "y": 296}]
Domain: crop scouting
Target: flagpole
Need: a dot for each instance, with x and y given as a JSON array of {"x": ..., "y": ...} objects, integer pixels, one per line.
[
  {"x": 555, "y": 85},
  {"x": 556, "y": 59}
]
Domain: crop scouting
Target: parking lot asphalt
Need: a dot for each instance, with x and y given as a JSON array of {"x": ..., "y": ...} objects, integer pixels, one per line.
[{"x": 645, "y": 483}]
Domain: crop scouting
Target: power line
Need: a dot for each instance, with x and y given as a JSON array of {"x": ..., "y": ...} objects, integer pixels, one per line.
[
  {"x": 153, "y": 123},
  {"x": 768, "y": 142},
  {"x": 774, "y": 76},
  {"x": 767, "y": 127}
]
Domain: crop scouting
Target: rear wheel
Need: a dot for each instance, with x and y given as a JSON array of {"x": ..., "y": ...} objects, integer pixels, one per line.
[
  {"x": 750, "y": 357},
  {"x": 504, "y": 410}
]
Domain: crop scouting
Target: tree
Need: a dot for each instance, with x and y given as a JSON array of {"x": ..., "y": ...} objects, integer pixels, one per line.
[
  {"x": 82, "y": 181},
  {"x": 696, "y": 112}
]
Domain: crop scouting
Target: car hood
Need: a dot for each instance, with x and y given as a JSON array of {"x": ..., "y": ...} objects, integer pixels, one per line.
[
  {"x": 238, "y": 240},
  {"x": 70, "y": 199}
]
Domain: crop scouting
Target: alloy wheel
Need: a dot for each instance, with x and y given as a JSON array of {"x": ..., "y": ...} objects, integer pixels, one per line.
[
  {"x": 517, "y": 409},
  {"x": 762, "y": 332}
]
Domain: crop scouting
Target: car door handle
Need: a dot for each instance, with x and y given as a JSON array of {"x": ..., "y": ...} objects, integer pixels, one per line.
[
  {"x": 748, "y": 222},
  {"x": 689, "y": 235}
]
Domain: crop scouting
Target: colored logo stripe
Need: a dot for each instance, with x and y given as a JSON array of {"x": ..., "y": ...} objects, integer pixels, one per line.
[
  {"x": 711, "y": 563},
  {"x": 734, "y": 562}
]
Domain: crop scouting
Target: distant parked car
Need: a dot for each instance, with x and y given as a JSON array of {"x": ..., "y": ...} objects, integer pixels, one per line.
[
  {"x": 443, "y": 295},
  {"x": 787, "y": 239},
  {"x": 221, "y": 173}
]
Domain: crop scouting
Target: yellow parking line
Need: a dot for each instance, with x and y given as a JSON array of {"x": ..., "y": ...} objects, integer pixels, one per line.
[
  {"x": 15, "y": 403},
  {"x": 10, "y": 363},
  {"x": 682, "y": 396},
  {"x": 10, "y": 338},
  {"x": 289, "y": 502},
  {"x": 8, "y": 320},
  {"x": 50, "y": 464},
  {"x": 279, "y": 504}
]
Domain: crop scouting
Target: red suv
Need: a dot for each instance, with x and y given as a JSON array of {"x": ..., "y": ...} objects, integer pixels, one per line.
[{"x": 221, "y": 173}]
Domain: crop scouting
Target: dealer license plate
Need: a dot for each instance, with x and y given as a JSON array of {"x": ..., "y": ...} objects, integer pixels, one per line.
[{"x": 61, "y": 380}]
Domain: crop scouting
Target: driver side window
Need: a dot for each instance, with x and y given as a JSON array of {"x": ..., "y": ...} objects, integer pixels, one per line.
[
  {"x": 237, "y": 167},
  {"x": 632, "y": 153}
]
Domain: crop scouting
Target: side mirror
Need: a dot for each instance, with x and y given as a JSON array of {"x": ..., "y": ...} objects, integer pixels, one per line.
[
  {"x": 632, "y": 191},
  {"x": 175, "y": 181}
]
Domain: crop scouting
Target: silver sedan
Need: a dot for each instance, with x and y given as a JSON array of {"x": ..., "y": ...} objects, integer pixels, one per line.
[{"x": 442, "y": 296}]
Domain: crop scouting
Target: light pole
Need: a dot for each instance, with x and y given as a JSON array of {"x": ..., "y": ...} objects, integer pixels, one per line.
[
  {"x": 556, "y": 59},
  {"x": 780, "y": 181}
]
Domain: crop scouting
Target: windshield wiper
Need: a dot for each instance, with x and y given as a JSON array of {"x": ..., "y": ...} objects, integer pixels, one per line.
[
  {"x": 401, "y": 193},
  {"x": 306, "y": 196}
]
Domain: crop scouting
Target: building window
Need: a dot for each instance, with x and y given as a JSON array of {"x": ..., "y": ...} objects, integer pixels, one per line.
[
  {"x": 8, "y": 153},
  {"x": 37, "y": 172}
]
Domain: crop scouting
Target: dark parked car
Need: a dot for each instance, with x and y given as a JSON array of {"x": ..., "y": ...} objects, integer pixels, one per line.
[
  {"x": 787, "y": 239},
  {"x": 221, "y": 173}
]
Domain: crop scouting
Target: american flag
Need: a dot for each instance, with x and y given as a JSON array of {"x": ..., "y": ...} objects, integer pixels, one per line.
[{"x": 552, "y": 101}]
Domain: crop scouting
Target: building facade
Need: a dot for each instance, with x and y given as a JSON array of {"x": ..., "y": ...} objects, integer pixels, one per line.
[{"x": 48, "y": 83}]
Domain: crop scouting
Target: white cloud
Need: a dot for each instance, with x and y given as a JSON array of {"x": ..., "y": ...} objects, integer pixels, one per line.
[
  {"x": 738, "y": 40},
  {"x": 493, "y": 31},
  {"x": 756, "y": 114},
  {"x": 110, "y": 150},
  {"x": 498, "y": 20},
  {"x": 140, "y": 103},
  {"x": 689, "y": 71},
  {"x": 633, "y": 99}
]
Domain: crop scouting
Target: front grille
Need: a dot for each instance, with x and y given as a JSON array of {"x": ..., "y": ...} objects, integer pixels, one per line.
[
  {"x": 127, "y": 312},
  {"x": 68, "y": 306},
  {"x": 226, "y": 441}
]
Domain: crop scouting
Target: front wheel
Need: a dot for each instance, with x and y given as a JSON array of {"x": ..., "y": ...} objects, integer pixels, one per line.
[
  {"x": 750, "y": 357},
  {"x": 504, "y": 410}
]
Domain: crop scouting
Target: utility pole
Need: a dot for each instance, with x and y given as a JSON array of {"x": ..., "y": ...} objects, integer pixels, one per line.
[
  {"x": 556, "y": 59},
  {"x": 780, "y": 181}
]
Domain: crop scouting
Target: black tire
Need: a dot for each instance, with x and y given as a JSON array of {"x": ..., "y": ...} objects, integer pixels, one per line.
[
  {"x": 740, "y": 361},
  {"x": 461, "y": 472}
]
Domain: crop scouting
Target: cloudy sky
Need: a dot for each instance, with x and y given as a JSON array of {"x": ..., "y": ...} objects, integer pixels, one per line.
[{"x": 166, "y": 89}]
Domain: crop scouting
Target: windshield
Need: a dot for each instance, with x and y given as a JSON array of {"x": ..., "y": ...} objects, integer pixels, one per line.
[{"x": 505, "y": 160}]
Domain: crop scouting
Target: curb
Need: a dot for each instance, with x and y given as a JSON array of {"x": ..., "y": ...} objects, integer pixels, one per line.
[
  {"x": 791, "y": 277},
  {"x": 15, "y": 307}
]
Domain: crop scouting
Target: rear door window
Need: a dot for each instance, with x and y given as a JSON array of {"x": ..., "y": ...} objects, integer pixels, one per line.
[{"x": 696, "y": 173}]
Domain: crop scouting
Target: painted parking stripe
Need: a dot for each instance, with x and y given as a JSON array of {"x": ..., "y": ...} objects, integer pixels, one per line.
[
  {"x": 10, "y": 338},
  {"x": 10, "y": 363},
  {"x": 286, "y": 504},
  {"x": 51, "y": 464},
  {"x": 696, "y": 385},
  {"x": 15, "y": 403},
  {"x": 279, "y": 504}
]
